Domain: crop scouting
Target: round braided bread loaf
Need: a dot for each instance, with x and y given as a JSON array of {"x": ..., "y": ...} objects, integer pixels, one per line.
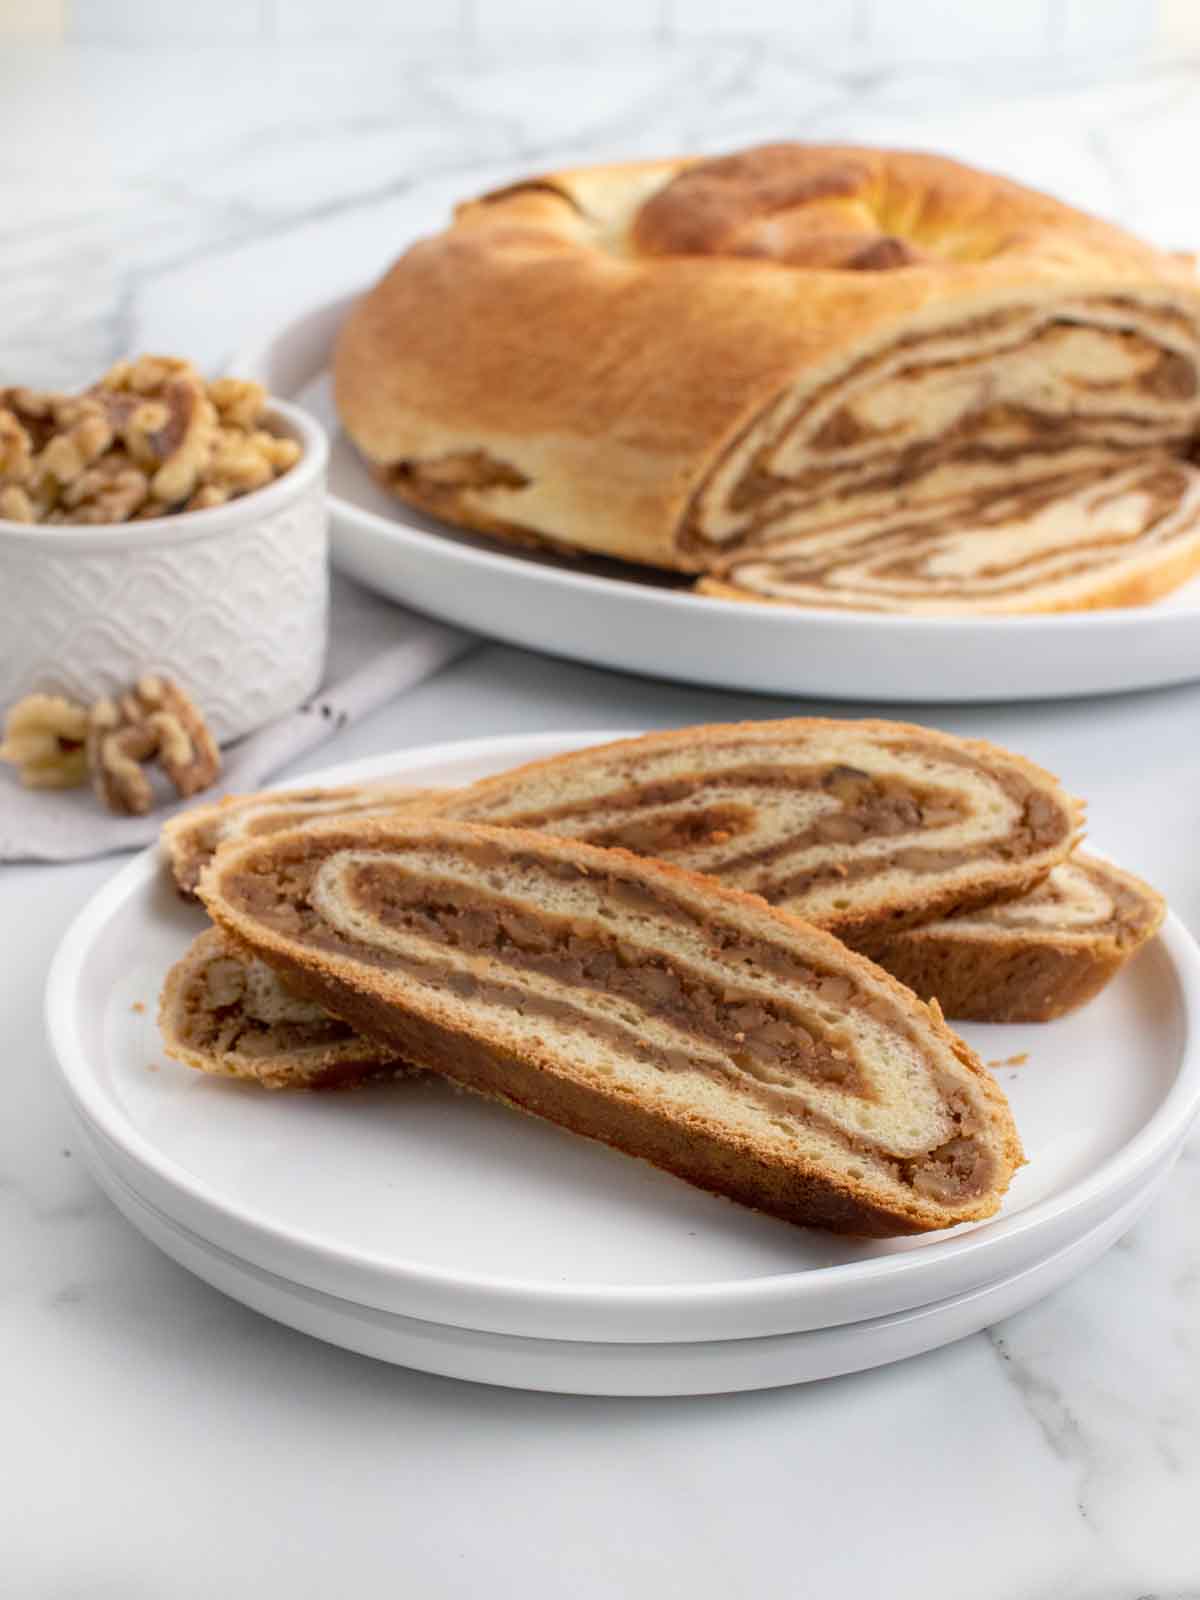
[{"x": 820, "y": 374}]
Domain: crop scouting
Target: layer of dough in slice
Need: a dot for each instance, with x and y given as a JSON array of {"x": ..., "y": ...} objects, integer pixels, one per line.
[{"x": 660, "y": 1012}]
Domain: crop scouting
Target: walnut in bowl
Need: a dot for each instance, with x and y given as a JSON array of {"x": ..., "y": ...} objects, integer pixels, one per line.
[
  {"x": 158, "y": 524},
  {"x": 150, "y": 439}
]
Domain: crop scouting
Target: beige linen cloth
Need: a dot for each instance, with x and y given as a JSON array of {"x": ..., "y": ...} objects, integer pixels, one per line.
[{"x": 377, "y": 650}]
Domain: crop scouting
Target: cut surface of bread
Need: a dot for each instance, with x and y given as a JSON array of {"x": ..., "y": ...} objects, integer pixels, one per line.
[
  {"x": 823, "y": 374},
  {"x": 660, "y": 1012},
  {"x": 1120, "y": 535},
  {"x": 1032, "y": 959},
  {"x": 227, "y": 1013},
  {"x": 191, "y": 838},
  {"x": 855, "y": 826}
]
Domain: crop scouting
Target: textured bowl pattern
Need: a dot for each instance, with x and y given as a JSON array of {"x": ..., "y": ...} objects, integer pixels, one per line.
[{"x": 236, "y": 616}]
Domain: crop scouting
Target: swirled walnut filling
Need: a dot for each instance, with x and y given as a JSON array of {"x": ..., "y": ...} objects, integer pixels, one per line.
[
  {"x": 229, "y": 1014},
  {"x": 991, "y": 549},
  {"x": 639, "y": 981},
  {"x": 941, "y": 419}
]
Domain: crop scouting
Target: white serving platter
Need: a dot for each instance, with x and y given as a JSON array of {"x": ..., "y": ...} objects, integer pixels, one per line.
[
  {"x": 624, "y": 617},
  {"x": 415, "y": 1201},
  {"x": 571, "y": 1366}
]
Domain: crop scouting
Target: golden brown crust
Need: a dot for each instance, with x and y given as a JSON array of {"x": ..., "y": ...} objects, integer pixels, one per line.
[
  {"x": 603, "y": 380},
  {"x": 696, "y": 1148},
  {"x": 791, "y": 202}
]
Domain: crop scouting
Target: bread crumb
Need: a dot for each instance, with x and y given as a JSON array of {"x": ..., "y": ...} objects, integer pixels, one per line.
[
  {"x": 152, "y": 1066},
  {"x": 139, "y": 1006},
  {"x": 1012, "y": 1061}
]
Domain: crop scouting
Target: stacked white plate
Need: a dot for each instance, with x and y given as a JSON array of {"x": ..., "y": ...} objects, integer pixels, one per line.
[{"x": 441, "y": 1232}]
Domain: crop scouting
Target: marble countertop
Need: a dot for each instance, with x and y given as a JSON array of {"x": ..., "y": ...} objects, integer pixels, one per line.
[{"x": 165, "y": 1442}]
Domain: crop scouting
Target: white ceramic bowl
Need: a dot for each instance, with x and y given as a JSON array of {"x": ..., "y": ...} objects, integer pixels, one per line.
[{"x": 231, "y": 602}]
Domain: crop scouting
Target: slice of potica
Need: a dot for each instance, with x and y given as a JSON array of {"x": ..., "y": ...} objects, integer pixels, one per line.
[
  {"x": 1032, "y": 959},
  {"x": 659, "y": 1012},
  {"x": 858, "y": 826}
]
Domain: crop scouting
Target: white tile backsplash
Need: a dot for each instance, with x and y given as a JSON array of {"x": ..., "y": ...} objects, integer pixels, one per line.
[
  {"x": 871, "y": 34},
  {"x": 1107, "y": 27},
  {"x": 835, "y": 22},
  {"x": 548, "y": 19},
  {"x": 298, "y": 20},
  {"x": 149, "y": 22}
]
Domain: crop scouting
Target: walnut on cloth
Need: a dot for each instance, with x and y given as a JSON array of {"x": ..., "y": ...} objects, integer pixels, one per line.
[
  {"x": 56, "y": 744},
  {"x": 154, "y": 721},
  {"x": 44, "y": 738},
  {"x": 151, "y": 438}
]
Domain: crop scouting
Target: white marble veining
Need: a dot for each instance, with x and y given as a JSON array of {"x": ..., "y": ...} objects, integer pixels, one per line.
[{"x": 162, "y": 1441}]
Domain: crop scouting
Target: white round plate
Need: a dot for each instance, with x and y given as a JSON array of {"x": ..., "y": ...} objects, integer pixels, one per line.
[
  {"x": 615, "y": 615},
  {"x": 570, "y": 1366},
  {"x": 412, "y": 1199}
]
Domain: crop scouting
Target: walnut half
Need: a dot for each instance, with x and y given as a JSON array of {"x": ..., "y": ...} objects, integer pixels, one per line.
[
  {"x": 56, "y": 744},
  {"x": 155, "y": 721},
  {"x": 44, "y": 738}
]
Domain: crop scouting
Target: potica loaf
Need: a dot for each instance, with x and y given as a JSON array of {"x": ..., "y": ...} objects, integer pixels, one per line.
[
  {"x": 819, "y": 374},
  {"x": 660, "y": 1012}
]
